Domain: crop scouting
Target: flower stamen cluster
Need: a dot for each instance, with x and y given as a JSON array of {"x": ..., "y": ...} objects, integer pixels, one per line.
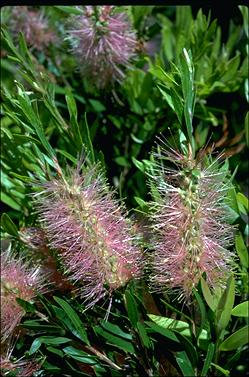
[
  {"x": 190, "y": 223},
  {"x": 18, "y": 280},
  {"x": 103, "y": 43},
  {"x": 91, "y": 233}
]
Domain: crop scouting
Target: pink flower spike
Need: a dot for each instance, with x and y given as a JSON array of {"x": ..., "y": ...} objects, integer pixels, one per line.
[
  {"x": 103, "y": 42},
  {"x": 91, "y": 232},
  {"x": 190, "y": 222},
  {"x": 34, "y": 26},
  {"x": 18, "y": 280}
]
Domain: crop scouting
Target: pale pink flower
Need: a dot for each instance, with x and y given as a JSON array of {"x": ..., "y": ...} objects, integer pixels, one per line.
[
  {"x": 103, "y": 42},
  {"x": 90, "y": 230},
  {"x": 18, "y": 280},
  {"x": 34, "y": 26},
  {"x": 190, "y": 223}
]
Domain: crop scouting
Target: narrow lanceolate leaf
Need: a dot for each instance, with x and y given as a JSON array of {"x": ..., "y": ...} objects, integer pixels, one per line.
[
  {"x": 242, "y": 250},
  {"x": 87, "y": 140},
  {"x": 208, "y": 360},
  {"x": 185, "y": 364},
  {"x": 207, "y": 294},
  {"x": 187, "y": 79},
  {"x": 74, "y": 318},
  {"x": 225, "y": 305},
  {"x": 161, "y": 330},
  {"x": 176, "y": 325},
  {"x": 117, "y": 341},
  {"x": 238, "y": 339},
  {"x": 8, "y": 225},
  {"x": 49, "y": 340},
  {"x": 241, "y": 310},
  {"x": 131, "y": 307},
  {"x": 202, "y": 311}
]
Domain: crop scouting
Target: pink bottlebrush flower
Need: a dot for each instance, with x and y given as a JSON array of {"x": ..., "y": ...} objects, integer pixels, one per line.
[
  {"x": 189, "y": 219},
  {"x": 34, "y": 26},
  {"x": 18, "y": 280},
  {"x": 103, "y": 42},
  {"x": 91, "y": 232}
]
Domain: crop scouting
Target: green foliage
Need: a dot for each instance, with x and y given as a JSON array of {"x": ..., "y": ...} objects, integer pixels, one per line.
[{"x": 191, "y": 90}]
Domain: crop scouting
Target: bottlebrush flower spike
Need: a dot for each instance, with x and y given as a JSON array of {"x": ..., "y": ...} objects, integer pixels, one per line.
[
  {"x": 190, "y": 223},
  {"x": 34, "y": 26},
  {"x": 103, "y": 42},
  {"x": 91, "y": 232},
  {"x": 18, "y": 280}
]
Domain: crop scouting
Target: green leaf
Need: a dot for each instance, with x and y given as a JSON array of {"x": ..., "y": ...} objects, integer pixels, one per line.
[
  {"x": 242, "y": 199},
  {"x": 187, "y": 79},
  {"x": 241, "y": 250},
  {"x": 70, "y": 10},
  {"x": 51, "y": 368},
  {"x": 143, "y": 334},
  {"x": 56, "y": 351},
  {"x": 138, "y": 164},
  {"x": 161, "y": 330},
  {"x": 185, "y": 364},
  {"x": 241, "y": 310},
  {"x": 225, "y": 305},
  {"x": 87, "y": 140},
  {"x": 247, "y": 128},
  {"x": 202, "y": 311},
  {"x": 27, "y": 306},
  {"x": 122, "y": 161},
  {"x": 188, "y": 346},
  {"x": 54, "y": 341},
  {"x": 115, "y": 329},
  {"x": 98, "y": 106},
  {"x": 115, "y": 340},
  {"x": 23, "y": 49},
  {"x": 80, "y": 355},
  {"x": 35, "y": 325},
  {"x": 140, "y": 202},
  {"x": 48, "y": 340},
  {"x": 72, "y": 108},
  {"x": 10, "y": 202},
  {"x": 208, "y": 360},
  {"x": 74, "y": 319},
  {"x": 176, "y": 325},
  {"x": 207, "y": 294},
  {"x": 8, "y": 225},
  {"x": 131, "y": 307},
  {"x": 36, "y": 344},
  {"x": 68, "y": 156},
  {"x": 236, "y": 340}
]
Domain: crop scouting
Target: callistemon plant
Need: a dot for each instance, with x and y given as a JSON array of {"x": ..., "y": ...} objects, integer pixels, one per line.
[
  {"x": 34, "y": 26},
  {"x": 103, "y": 41},
  {"x": 189, "y": 221},
  {"x": 90, "y": 231},
  {"x": 18, "y": 280}
]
